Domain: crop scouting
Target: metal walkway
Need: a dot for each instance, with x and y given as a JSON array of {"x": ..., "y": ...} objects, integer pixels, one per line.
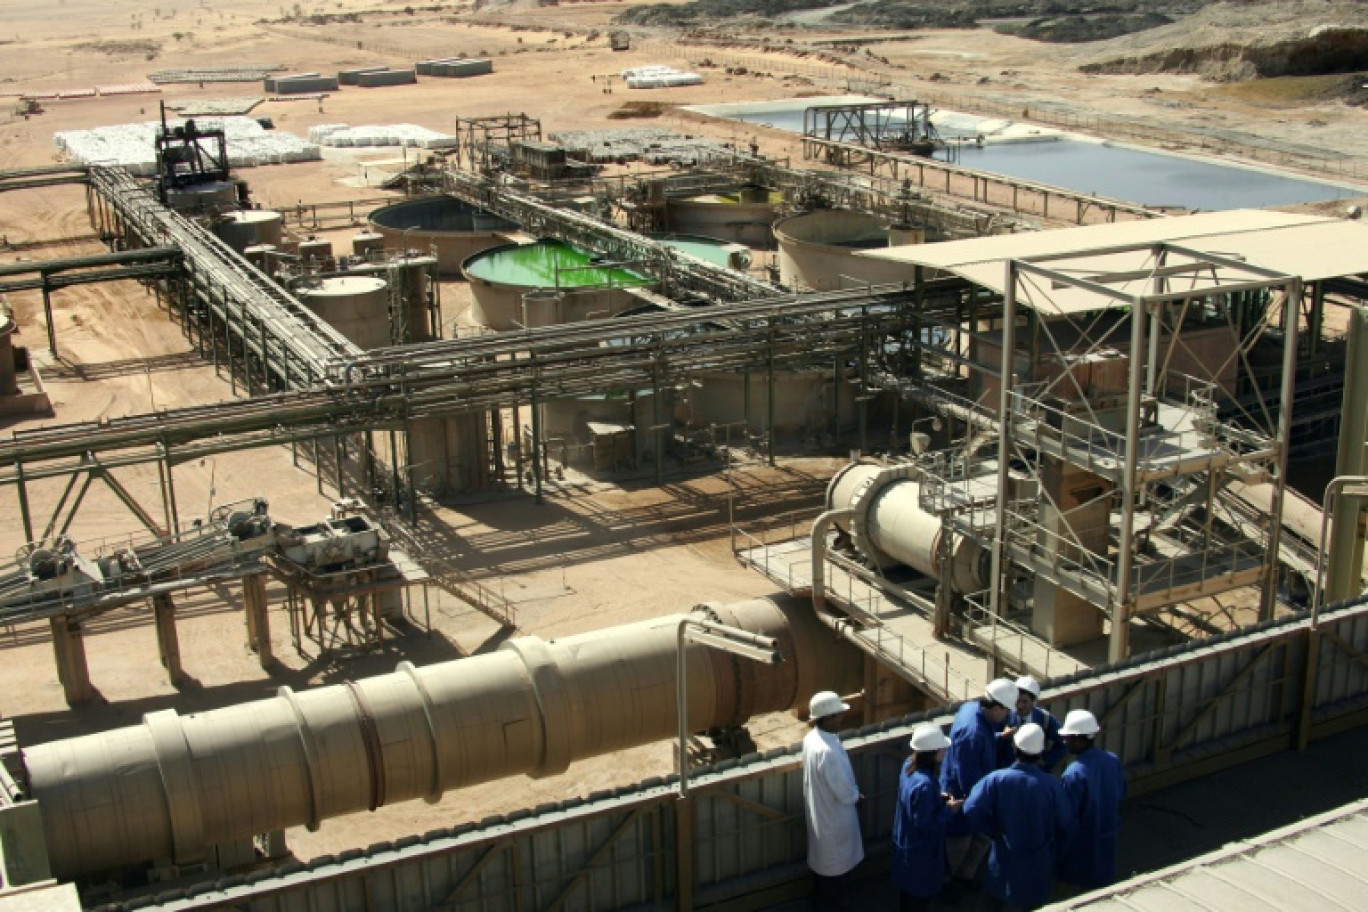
[{"x": 288, "y": 340}]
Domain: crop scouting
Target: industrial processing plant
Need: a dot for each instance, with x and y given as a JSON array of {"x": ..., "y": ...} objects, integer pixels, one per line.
[{"x": 540, "y": 457}]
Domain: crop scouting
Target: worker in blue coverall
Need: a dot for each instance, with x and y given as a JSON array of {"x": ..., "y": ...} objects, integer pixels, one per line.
[
  {"x": 1095, "y": 784},
  {"x": 1027, "y": 710},
  {"x": 972, "y": 755},
  {"x": 1024, "y": 811},
  {"x": 919, "y": 822}
]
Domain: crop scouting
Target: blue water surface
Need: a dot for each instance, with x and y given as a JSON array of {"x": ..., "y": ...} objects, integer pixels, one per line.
[{"x": 1134, "y": 175}]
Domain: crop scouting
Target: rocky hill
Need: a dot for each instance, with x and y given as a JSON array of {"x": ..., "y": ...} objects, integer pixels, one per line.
[{"x": 1246, "y": 40}]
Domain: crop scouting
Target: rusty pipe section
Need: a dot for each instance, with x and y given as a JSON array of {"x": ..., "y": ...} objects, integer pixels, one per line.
[{"x": 174, "y": 786}]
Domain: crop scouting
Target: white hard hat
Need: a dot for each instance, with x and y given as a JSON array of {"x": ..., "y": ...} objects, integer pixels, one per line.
[
  {"x": 1001, "y": 690},
  {"x": 1029, "y": 684},
  {"x": 824, "y": 704},
  {"x": 1030, "y": 739},
  {"x": 929, "y": 737},
  {"x": 1080, "y": 722}
]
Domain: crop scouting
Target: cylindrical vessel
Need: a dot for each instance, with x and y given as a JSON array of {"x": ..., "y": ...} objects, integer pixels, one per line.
[
  {"x": 502, "y": 277},
  {"x": 256, "y": 255},
  {"x": 316, "y": 252},
  {"x": 174, "y": 786},
  {"x": 249, "y": 227},
  {"x": 368, "y": 245},
  {"x": 410, "y": 276},
  {"x": 820, "y": 250},
  {"x": 453, "y": 230},
  {"x": 743, "y": 217},
  {"x": 356, "y": 306},
  {"x": 890, "y": 527}
]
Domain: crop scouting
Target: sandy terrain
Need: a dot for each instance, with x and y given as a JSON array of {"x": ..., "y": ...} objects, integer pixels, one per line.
[{"x": 590, "y": 557}]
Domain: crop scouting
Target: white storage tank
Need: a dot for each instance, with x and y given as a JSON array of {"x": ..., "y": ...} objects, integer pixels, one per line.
[
  {"x": 356, "y": 306},
  {"x": 249, "y": 227},
  {"x": 821, "y": 249}
]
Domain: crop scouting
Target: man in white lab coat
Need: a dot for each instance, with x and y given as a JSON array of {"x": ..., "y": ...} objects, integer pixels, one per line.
[{"x": 830, "y": 796}]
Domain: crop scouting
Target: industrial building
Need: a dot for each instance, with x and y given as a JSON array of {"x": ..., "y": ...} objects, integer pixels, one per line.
[{"x": 1069, "y": 439}]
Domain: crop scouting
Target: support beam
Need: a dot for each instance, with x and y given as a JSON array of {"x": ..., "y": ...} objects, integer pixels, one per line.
[
  {"x": 258, "y": 618},
  {"x": 168, "y": 640},
  {"x": 68, "y": 646}
]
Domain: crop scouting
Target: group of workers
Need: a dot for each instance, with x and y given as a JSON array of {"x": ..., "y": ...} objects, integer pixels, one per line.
[{"x": 987, "y": 791}]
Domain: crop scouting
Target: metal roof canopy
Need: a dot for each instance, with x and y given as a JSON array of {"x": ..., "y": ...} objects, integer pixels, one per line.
[
  {"x": 1313, "y": 865},
  {"x": 1224, "y": 251}
]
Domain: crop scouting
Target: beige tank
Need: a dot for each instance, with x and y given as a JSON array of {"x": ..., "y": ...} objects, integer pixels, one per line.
[
  {"x": 257, "y": 255},
  {"x": 316, "y": 251},
  {"x": 821, "y": 250},
  {"x": 368, "y": 245},
  {"x": 744, "y": 217},
  {"x": 249, "y": 227},
  {"x": 174, "y": 785},
  {"x": 356, "y": 306},
  {"x": 450, "y": 229}
]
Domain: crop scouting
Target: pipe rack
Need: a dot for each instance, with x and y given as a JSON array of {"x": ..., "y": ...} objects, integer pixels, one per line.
[
  {"x": 386, "y": 387},
  {"x": 288, "y": 341}
]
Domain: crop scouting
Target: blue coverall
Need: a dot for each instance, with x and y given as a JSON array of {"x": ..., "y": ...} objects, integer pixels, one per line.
[
  {"x": 1042, "y": 717},
  {"x": 1024, "y": 810},
  {"x": 972, "y": 755},
  {"x": 1094, "y": 784},
  {"x": 919, "y": 835}
]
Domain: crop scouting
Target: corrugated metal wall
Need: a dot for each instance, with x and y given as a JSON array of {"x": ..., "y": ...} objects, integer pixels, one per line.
[{"x": 1169, "y": 717}]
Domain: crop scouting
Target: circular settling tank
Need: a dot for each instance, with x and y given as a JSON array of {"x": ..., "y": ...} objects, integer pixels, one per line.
[
  {"x": 502, "y": 278},
  {"x": 742, "y": 217},
  {"x": 820, "y": 250},
  {"x": 248, "y": 228},
  {"x": 356, "y": 306},
  {"x": 711, "y": 250},
  {"x": 456, "y": 231}
]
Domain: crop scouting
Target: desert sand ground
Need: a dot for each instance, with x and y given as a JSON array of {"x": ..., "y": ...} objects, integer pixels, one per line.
[{"x": 593, "y": 556}]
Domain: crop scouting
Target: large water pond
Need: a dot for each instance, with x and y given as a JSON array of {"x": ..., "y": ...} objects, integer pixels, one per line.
[{"x": 1119, "y": 172}]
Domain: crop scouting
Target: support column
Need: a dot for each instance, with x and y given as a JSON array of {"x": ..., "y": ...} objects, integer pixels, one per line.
[
  {"x": 258, "y": 620},
  {"x": 68, "y": 646},
  {"x": 168, "y": 640},
  {"x": 1344, "y": 554}
]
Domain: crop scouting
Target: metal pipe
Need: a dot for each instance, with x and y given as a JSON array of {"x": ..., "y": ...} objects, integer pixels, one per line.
[
  {"x": 1333, "y": 490},
  {"x": 175, "y": 786},
  {"x": 1119, "y": 645},
  {"x": 1287, "y": 393},
  {"x": 1346, "y": 539},
  {"x": 819, "y": 531}
]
